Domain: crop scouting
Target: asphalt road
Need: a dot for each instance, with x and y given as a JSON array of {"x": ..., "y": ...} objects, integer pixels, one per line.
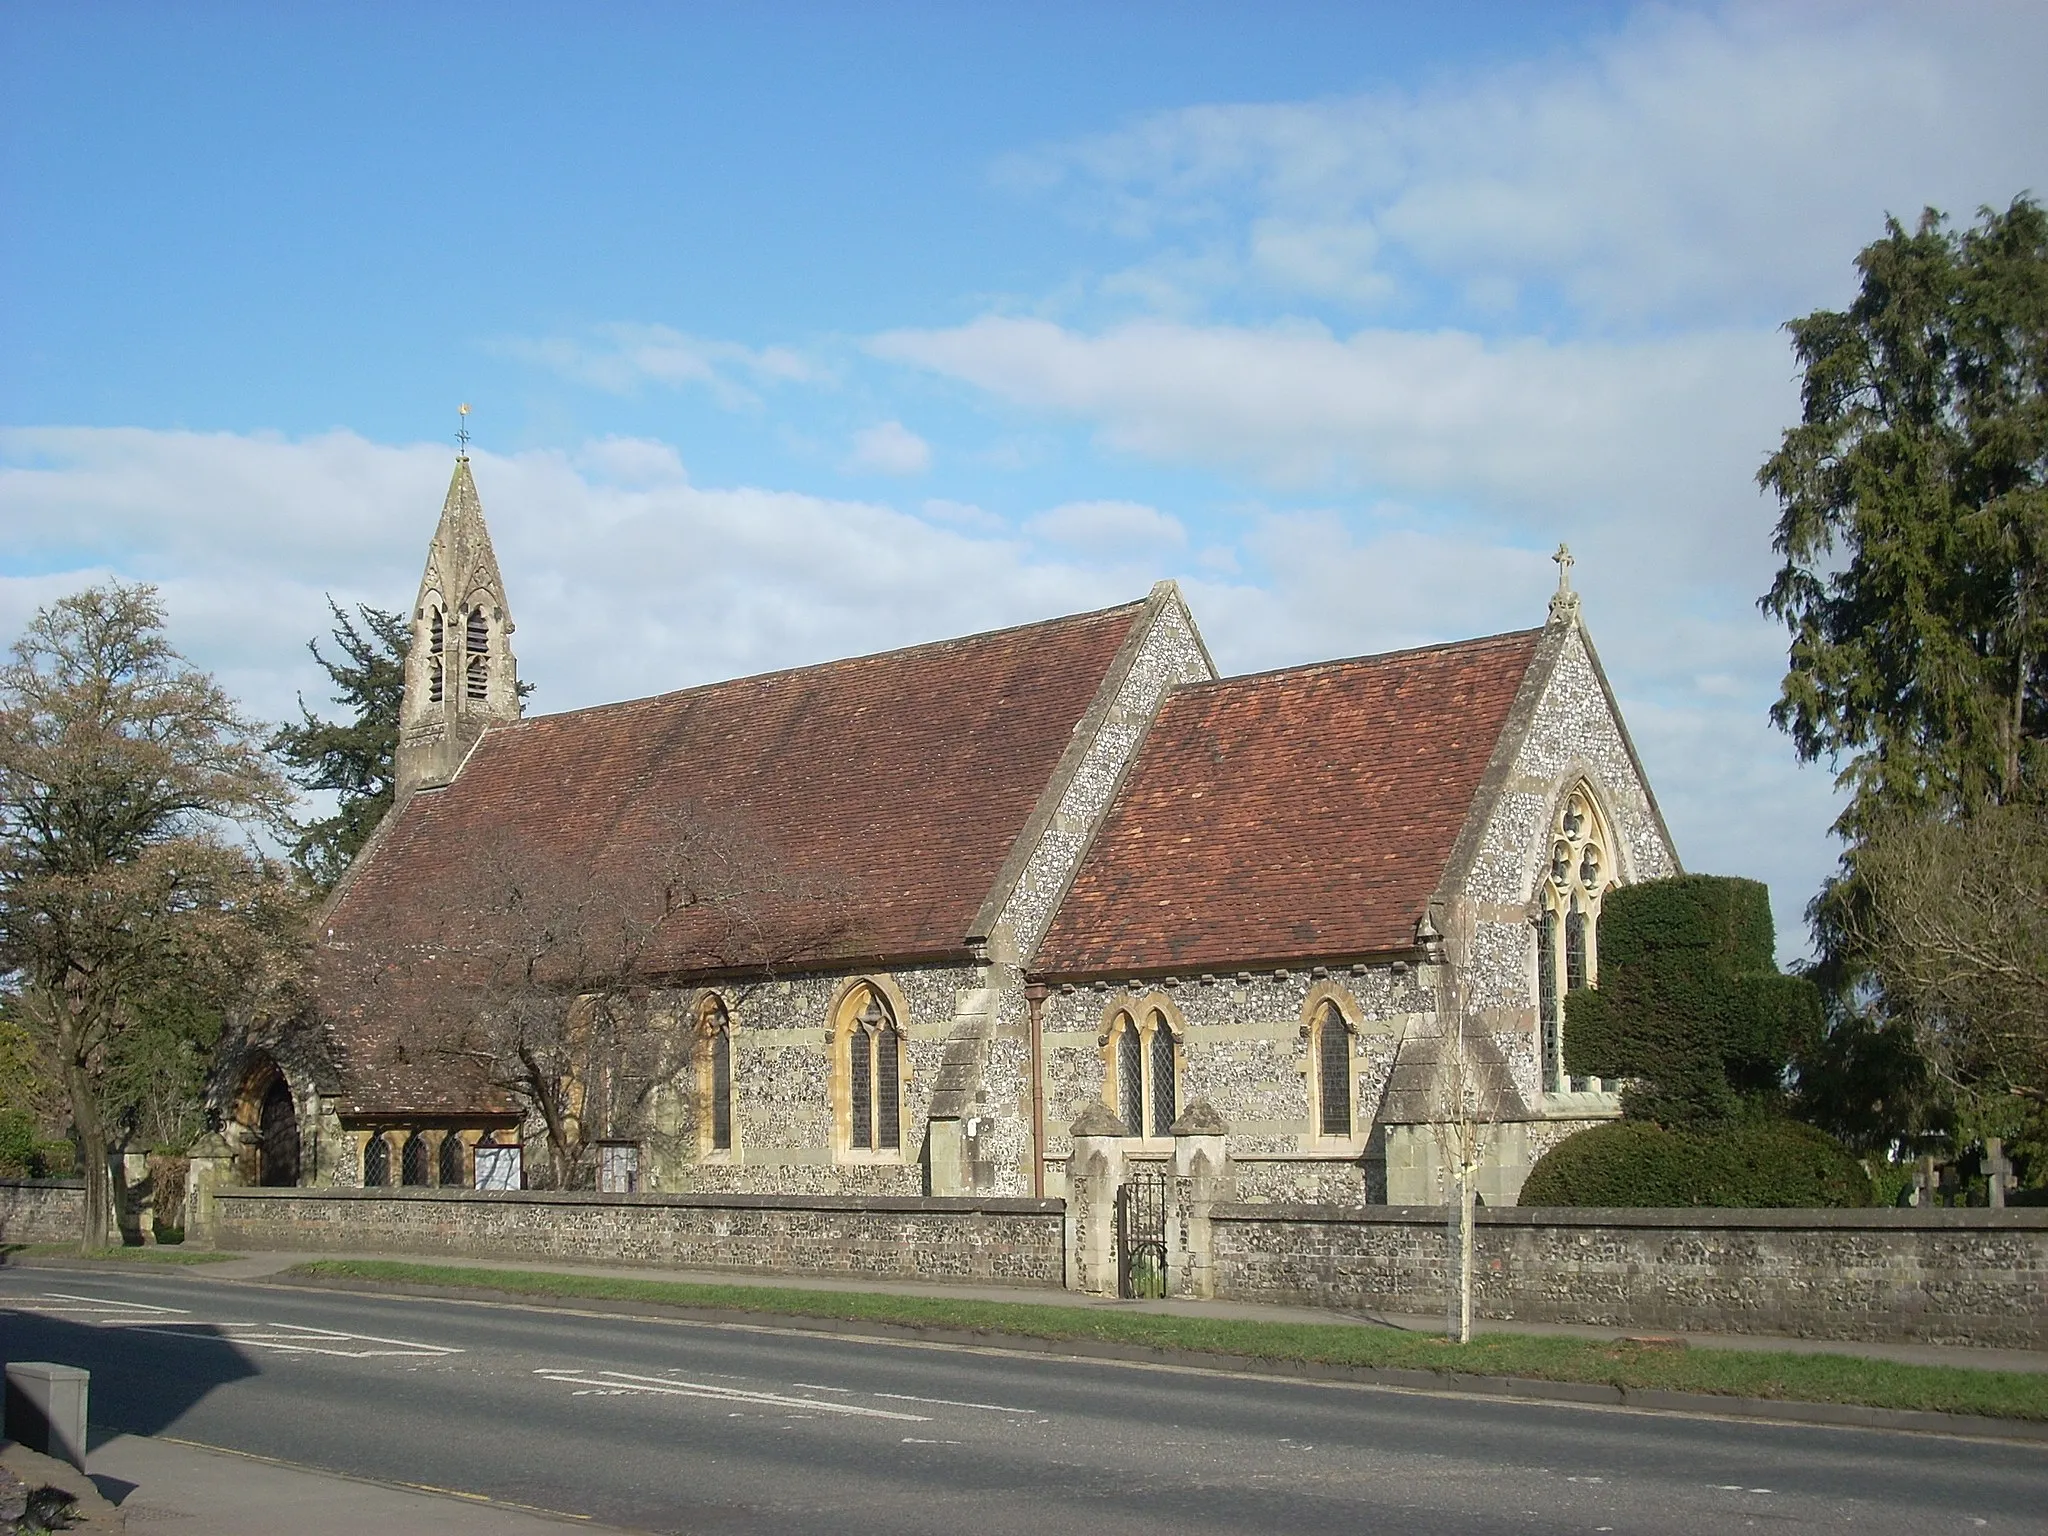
[{"x": 698, "y": 1428}]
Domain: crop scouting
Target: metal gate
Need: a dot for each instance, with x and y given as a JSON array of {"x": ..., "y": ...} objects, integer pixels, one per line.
[{"x": 1141, "y": 1234}]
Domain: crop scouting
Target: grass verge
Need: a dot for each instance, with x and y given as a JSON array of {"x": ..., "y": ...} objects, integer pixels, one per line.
[
  {"x": 172, "y": 1254},
  {"x": 1773, "y": 1374}
]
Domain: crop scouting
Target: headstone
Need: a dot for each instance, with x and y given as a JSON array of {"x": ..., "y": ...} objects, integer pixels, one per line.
[
  {"x": 1997, "y": 1170},
  {"x": 46, "y": 1408}
]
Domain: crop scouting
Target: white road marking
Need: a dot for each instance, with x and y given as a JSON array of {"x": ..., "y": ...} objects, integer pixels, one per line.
[
  {"x": 947, "y": 1402},
  {"x": 669, "y": 1386},
  {"x": 812, "y": 1386},
  {"x": 913, "y": 1440},
  {"x": 178, "y": 1323}
]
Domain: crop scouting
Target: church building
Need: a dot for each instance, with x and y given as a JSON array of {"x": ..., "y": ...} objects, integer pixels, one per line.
[{"x": 887, "y": 925}]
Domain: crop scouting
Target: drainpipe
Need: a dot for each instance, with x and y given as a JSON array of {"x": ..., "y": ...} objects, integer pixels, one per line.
[{"x": 1034, "y": 1000}]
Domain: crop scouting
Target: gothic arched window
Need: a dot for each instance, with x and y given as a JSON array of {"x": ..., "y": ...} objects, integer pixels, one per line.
[
  {"x": 413, "y": 1161},
  {"x": 1332, "y": 1053},
  {"x": 714, "y": 1076},
  {"x": 450, "y": 1172},
  {"x": 376, "y": 1162},
  {"x": 1142, "y": 1072},
  {"x": 1568, "y": 923},
  {"x": 874, "y": 1073}
]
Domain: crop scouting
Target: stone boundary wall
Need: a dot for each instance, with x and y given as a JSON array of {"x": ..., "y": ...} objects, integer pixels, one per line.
[
  {"x": 1003, "y": 1241},
  {"x": 1976, "y": 1277},
  {"x": 41, "y": 1210}
]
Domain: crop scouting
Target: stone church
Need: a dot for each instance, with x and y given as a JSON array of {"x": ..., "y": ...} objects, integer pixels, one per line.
[{"x": 888, "y": 925}]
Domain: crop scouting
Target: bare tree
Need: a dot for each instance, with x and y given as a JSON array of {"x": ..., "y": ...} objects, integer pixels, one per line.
[
  {"x": 1471, "y": 1090},
  {"x": 543, "y": 977},
  {"x": 1952, "y": 915}
]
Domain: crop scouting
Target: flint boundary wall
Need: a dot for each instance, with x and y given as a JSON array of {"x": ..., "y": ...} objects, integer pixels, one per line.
[
  {"x": 1975, "y": 1277},
  {"x": 41, "y": 1210},
  {"x": 999, "y": 1241}
]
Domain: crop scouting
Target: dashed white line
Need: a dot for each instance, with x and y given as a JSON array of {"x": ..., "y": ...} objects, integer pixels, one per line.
[
  {"x": 947, "y": 1402},
  {"x": 670, "y": 1386}
]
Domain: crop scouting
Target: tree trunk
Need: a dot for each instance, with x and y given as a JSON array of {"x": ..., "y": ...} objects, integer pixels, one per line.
[{"x": 92, "y": 1142}]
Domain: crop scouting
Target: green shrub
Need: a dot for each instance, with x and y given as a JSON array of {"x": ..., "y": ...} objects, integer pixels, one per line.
[
  {"x": 1747, "y": 1164},
  {"x": 17, "y": 1144},
  {"x": 1691, "y": 1012}
]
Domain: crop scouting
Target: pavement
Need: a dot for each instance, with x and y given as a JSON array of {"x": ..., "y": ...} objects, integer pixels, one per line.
[{"x": 160, "y": 1483}]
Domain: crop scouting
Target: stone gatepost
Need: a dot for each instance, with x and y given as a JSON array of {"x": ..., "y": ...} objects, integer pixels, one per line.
[
  {"x": 210, "y": 1164},
  {"x": 1095, "y": 1171},
  {"x": 1201, "y": 1178}
]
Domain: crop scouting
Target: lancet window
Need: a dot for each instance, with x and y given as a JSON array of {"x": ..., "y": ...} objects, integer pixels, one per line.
[
  {"x": 376, "y": 1163},
  {"x": 413, "y": 1161},
  {"x": 477, "y": 644},
  {"x": 451, "y": 1171},
  {"x": 1578, "y": 876},
  {"x": 714, "y": 1076},
  {"x": 437, "y": 645},
  {"x": 1331, "y": 1044}
]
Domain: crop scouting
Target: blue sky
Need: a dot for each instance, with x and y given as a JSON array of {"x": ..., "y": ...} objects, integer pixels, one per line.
[{"x": 799, "y": 330}]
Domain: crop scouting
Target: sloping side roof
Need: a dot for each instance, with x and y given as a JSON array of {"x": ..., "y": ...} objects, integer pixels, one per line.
[
  {"x": 1292, "y": 815},
  {"x": 864, "y": 806}
]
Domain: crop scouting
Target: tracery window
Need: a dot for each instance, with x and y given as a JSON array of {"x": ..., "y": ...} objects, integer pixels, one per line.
[
  {"x": 874, "y": 1073},
  {"x": 1332, "y": 1053},
  {"x": 1144, "y": 1072},
  {"x": 1567, "y": 932},
  {"x": 714, "y": 1075},
  {"x": 376, "y": 1163}
]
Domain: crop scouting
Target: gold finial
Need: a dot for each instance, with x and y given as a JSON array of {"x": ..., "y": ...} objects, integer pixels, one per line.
[
  {"x": 462, "y": 431},
  {"x": 1564, "y": 602}
]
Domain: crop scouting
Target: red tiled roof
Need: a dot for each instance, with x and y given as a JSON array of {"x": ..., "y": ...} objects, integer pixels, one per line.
[
  {"x": 883, "y": 794},
  {"x": 1292, "y": 815}
]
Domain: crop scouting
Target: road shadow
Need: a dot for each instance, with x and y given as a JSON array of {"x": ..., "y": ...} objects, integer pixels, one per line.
[{"x": 143, "y": 1380}]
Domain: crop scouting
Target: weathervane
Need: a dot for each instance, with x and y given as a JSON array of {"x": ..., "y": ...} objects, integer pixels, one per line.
[
  {"x": 1564, "y": 602},
  {"x": 462, "y": 431}
]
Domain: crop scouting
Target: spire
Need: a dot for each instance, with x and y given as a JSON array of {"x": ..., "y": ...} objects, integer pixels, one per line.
[
  {"x": 1564, "y": 602},
  {"x": 460, "y": 674}
]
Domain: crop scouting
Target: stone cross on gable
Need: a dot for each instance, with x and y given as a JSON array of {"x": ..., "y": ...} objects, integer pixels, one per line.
[{"x": 1564, "y": 602}]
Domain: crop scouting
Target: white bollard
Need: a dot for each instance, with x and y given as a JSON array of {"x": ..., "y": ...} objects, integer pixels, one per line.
[{"x": 46, "y": 1408}]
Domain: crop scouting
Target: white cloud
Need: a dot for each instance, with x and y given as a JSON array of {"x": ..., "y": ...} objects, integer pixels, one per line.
[
  {"x": 621, "y": 356},
  {"x": 888, "y": 448},
  {"x": 963, "y": 514},
  {"x": 1109, "y": 528},
  {"x": 621, "y": 585},
  {"x": 1723, "y": 163},
  {"x": 1517, "y": 426}
]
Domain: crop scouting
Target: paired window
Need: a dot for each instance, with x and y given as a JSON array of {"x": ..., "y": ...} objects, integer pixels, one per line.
[
  {"x": 1330, "y": 1045},
  {"x": 1567, "y": 935},
  {"x": 714, "y": 1076},
  {"x": 1144, "y": 1075},
  {"x": 873, "y": 1060}
]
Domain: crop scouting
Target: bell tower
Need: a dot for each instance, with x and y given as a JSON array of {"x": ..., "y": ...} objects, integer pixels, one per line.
[{"x": 460, "y": 676}]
